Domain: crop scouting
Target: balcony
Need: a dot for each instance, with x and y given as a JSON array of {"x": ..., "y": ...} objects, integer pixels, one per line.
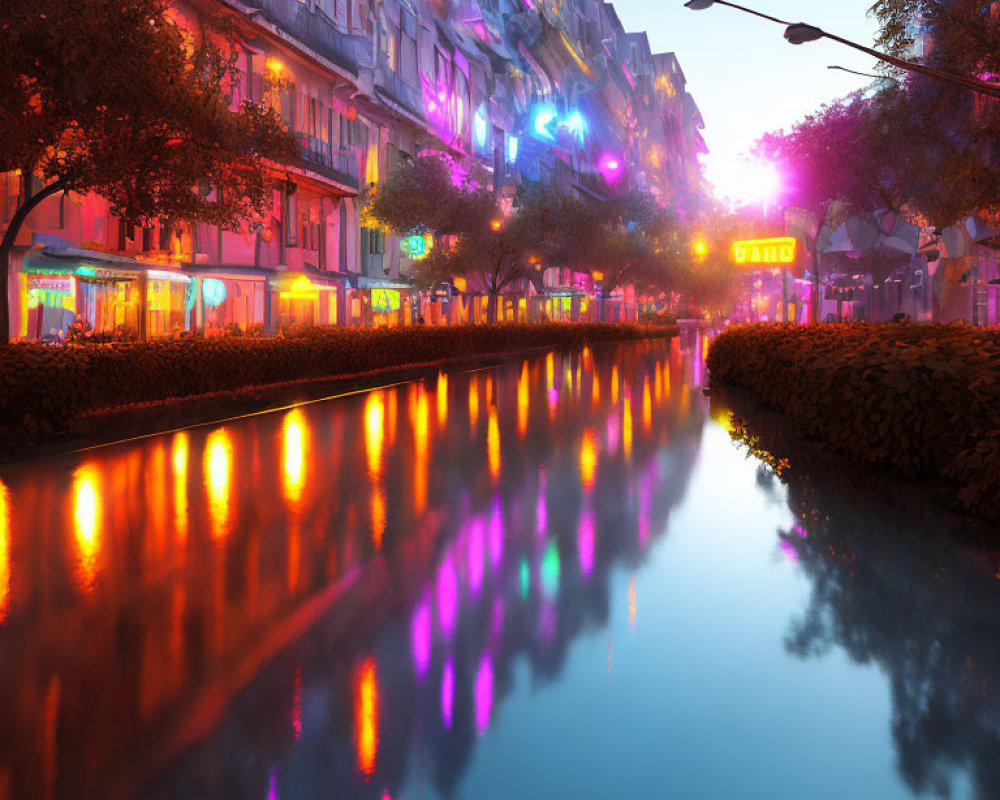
[
  {"x": 314, "y": 29},
  {"x": 392, "y": 84},
  {"x": 339, "y": 164}
]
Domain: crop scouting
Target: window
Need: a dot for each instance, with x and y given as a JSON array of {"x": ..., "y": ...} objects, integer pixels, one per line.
[
  {"x": 392, "y": 47},
  {"x": 408, "y": 47}
]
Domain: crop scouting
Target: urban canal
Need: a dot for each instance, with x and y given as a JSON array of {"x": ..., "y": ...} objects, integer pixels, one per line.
[{"x": 558, "y": 578}]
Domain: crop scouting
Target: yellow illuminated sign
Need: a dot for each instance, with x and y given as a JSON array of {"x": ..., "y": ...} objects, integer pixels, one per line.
[{"x": 761, "y": 252}]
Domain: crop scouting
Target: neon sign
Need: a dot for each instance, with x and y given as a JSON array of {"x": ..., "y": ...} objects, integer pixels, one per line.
[
  {"x": 546, "y": 123},
  {"x": 417, "y": 245},
  {"x": 760, "y": 252}
]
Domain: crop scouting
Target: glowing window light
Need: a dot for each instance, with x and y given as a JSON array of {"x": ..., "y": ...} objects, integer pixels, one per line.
[
  {"x": 213, "y": 291},
  {"x": 447, "y": 692},
  {"x": 585, "y": 542},
  {"x": 274, "y": 65},
  {"x": 447, "y": 596},
  {"x": 493, "y": 445},
  {"x": 420, "y": 634},
  {"x": 476, "y": 555},
  {"x": 550, "y": 569},
  {"x": 576, "y": 125},
  {"x": 366, "y": 702},
  {"x": 179, "y": 467},
  {"x": 4, "y": 551},
  {"x": 87, "y": 513},
  {"x": 374, "y": 432},
  {"x": 496, "y": 534},
  {"x": 293, "y": 460},
  {"x": 761, "y": 252},
  {"x": 300, "y": 289},
  {"x": 525, "y": 577},
  {"x": 484, "y": 692},
  {"x": 541, "y": 122},
  {"x": 218, "y": 472},
  {"x": 700, "y": 248},
  {"x": 512, "y": 149},
  {"x": 523, "y": 401},
  {"x": 480, "y": 128},
  {"x": 588, "y": 459}
]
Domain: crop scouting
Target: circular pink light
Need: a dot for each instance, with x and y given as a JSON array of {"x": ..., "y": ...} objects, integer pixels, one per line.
[{"x": 612, "y": 164}]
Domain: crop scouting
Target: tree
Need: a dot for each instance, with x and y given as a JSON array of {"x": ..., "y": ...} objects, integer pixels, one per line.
[
  {"x": 114, "y": 97},
  {"x": 950, "y": 134},
  {"x": 840, "y": 159}
]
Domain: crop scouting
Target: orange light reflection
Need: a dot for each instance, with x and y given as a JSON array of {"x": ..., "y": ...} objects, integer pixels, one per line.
[
  {"x": 627, "y": 425},
  {"x": 588, "y": 459},
  {"x": 420, "y": 422},
  {"x": 87, "y": 514},
  {"x": 293, "y": 457},
  {"x": 4, "y": 551},
  {"x": 614, "y": 384},
  {"x": 179, "y": 466},
  {"x": 473, "y": 402},
  {"x": 374, "y": 432},
  {"x": 218, "y": 477},
  {"x": 647, "y": 407},
  {"x": 366, "y": 716},
  {"x": 523, "y": 401},
  {"x": 493, "y": 445},
  {"x": 442, "y": 399}
]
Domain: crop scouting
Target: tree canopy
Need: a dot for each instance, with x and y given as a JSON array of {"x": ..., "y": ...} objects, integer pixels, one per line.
[
  {"x": 115, "y": 97},
  {"x": 616, "y": 241}
]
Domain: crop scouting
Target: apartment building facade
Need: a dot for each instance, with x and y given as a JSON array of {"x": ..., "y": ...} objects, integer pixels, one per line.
[{"x": 508, "y": 90}]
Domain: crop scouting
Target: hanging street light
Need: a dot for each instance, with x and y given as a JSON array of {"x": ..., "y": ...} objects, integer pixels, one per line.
[{"x": 801, "y": 33}]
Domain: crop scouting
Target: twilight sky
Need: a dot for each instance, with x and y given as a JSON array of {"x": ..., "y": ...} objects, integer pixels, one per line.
[{"x": 746, "y": 79}]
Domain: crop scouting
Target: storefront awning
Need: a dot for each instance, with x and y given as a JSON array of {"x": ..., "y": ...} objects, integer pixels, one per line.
[
  {"x": 364, "y": 282},
  {"x": 91, "y": 263}
]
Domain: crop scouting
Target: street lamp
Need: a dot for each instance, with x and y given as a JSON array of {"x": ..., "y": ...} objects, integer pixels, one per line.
[{"x": 800, "y": 33}]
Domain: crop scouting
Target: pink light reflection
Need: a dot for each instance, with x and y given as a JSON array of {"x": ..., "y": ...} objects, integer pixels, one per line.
[
  {"x": 585, "y": 542},
  {"x": 789, "y": 550},
  {"x": 447, "y": 692},
  {"x": 476, "y": 554},
  {"x": 421, "y": 637},
  {"x": 497, "y": 618},
  {"x": 484, "y": 692},
  {"x": 496, "y": 534},
  {"x": 447, "y": 591}
]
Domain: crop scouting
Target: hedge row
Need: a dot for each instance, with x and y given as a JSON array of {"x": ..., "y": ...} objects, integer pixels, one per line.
[
  {"x": 44, "y": 388},
  {"x": 920, "y": 399}
]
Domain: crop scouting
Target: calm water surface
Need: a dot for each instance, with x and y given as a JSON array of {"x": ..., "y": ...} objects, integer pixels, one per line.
[{"x": 555, "y": 579}]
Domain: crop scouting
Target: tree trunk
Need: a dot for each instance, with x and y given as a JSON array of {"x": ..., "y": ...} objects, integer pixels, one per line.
[
  {"x": 7, "y": 248},
  {"x": 491, "y": 307}
]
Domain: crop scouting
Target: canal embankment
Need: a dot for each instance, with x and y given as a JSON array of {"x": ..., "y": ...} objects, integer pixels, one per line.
[
  {"x": 922, "y": 401},
  {"x": 93, "y": 393}
]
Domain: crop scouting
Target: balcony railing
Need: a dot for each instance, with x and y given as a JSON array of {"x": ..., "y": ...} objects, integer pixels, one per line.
[
  {"x": 313, "y": 29},
  {"x": 337, "y": 163}
]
